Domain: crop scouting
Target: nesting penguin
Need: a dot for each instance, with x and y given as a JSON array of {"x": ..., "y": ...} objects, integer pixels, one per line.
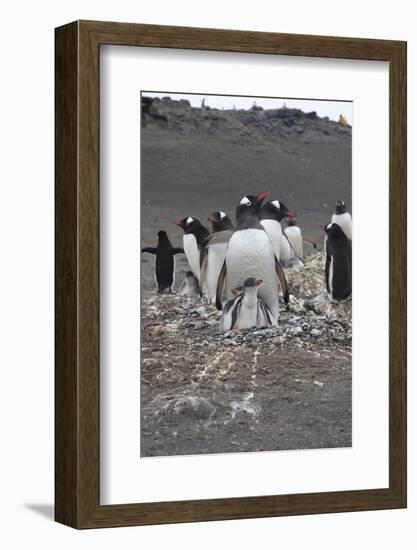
[
  {"x": 214, "y": 254},
  {"x": 189, "y": 287},
  {"x": 194, "y": 235},
  {"x": 296, "y": 238},
  {"x": 271, "y": 214},
  {"x": 343, "y": 218},
  {"x": 164, "y": 262},
  {"x": 250, "y": 254},
  {"x": 338, "y": 269},
  {"x": 246, "y": 309}
]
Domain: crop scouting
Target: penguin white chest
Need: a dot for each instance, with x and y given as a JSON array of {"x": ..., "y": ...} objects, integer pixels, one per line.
[
  {"x": 192, "y": 254},
  {"x": 250, "y": 254},
  {"x": 286, "y": 250},
  {"x": 344, "y": 221},
  {"x": 295, "y": 237},
  {"x": 274, "y": 231},
  {"x": 216, "y": 256},
  {"x": 247, "y": 317}
]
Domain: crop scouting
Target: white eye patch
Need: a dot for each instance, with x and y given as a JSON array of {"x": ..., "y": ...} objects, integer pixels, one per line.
[
  {"x": 189, "y": 220},
  {"x": 276, "y": 204},
  {"x": 246, "y": 201},
  {"x": 222, "y": 215}
]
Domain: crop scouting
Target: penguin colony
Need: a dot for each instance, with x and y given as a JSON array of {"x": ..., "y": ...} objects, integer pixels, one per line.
[{"x": 239, "y": 267}]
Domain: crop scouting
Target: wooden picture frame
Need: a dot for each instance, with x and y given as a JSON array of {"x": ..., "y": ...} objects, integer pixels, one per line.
[{"x": 77, "y": 382}]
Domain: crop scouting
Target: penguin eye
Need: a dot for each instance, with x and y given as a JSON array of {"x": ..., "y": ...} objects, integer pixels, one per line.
[
  {"x": 189, "y": 220},
  {"x": 245, "y": 201}
]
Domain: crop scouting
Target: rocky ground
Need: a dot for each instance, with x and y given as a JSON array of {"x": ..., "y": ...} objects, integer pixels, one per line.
[
  {"x": 284, "y": 388},
  {"x": 279, "y": 388}
]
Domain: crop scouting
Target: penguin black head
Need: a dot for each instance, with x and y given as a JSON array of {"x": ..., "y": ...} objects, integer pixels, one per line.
[
  {"x": 162, "y": 234},
  {"x": 189, "y": 274},
  {"x": 188, "y": 224},
  {"x": 340, "y": 207},
  {"x": 291, "y": 222},
  {"x": 333, "y": 230},
  {"x": 249, "y": 206},
  {"x": 275, "y": 210},
  {"x": 249, "y": 283},
  {"x": 220, "y": 221}
]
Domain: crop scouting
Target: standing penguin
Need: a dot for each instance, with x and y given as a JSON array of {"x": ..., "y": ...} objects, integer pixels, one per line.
[
  {"x": 250, "y": 254},
  {"x": 194, "y": 235},
  {"x": 220, "y": 221},
  {"x": 164, "y": 262},
  {"x": 270, "y": 216},
  {"x": 343, "y": 218},
  {"x": 215, "y": 254},
  {"x": 246, "y": 310},
  {"x": 296, "y": 238},
  {"x": 338, "y": 263}
]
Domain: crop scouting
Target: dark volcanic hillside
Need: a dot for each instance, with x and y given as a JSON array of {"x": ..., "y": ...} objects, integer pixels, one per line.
[{"x": 197, "y": 160}]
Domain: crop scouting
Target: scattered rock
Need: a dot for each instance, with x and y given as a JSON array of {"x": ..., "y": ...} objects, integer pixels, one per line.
[{"x": 196, "y": 407}]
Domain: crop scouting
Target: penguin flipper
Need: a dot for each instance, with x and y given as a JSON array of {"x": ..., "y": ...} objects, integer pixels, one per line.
[
  {"x": 289, "y": 243},
  {"x": 282, "y": 280},
  {"x": 150, "y": 250},
  {"x": 309, "y": 241},
  {"x": 203, "y": 268},
  {"x": 327, "y": 269},
  {"x": 178, "y": 250},
  {"x": 220, "y": 285}
]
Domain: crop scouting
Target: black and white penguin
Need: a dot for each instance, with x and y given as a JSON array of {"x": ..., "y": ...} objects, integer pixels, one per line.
[
  {"x": 296, "y": 238},
  {"x": 190, "y": 287},
  {"x": 220, "y": 221},
  {"x": 343, "y": 218},
  {"x": 338, "y": 263},
  {"x": 271, "y": 214},
  {"x": 164, "y": 262},
  {"x": 194, "y": 235},
  {"x": 250, "y": 254},
  {"x": 247, "y": 309},
  {"x": 215, "y": 254}
]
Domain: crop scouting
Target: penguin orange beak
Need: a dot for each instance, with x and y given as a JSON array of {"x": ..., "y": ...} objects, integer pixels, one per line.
[
  {"x": 261, "y": 197},
  {"x": 322, "y": 226},
  {"x": 291, "y": 214},
  {"x": 212, "y": 219},
  {"x": 178, "y": 222},
  {"x": 259, "y": 282}
]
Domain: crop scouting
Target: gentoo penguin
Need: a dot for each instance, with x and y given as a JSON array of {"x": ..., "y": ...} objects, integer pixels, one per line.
[
  {"x": 220, "y": 221},
  {"x": 189, "y": 287},
  {"x": 250, "y": 254},
  {"x": 164, "y": 262},
  {"x": 214, "y": 255},
  {"x": 270, "y": 216},
  {"x": 343, "y": 218},
  {"x": 338, "y": 263},
  {"x": 194, "y": 235},
  {"x": 296, "y": 238},
  {"x": 246, "y": 310}
]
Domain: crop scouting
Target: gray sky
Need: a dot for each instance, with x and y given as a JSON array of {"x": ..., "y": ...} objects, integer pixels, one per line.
[{"x": 332, "y": 109}]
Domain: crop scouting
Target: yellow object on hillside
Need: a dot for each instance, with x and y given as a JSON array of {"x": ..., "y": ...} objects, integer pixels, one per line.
[{"x": 343, "y": 120}]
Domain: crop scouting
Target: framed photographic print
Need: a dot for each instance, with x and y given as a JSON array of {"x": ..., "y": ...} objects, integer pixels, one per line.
[{"x": 230, "y": 274}]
